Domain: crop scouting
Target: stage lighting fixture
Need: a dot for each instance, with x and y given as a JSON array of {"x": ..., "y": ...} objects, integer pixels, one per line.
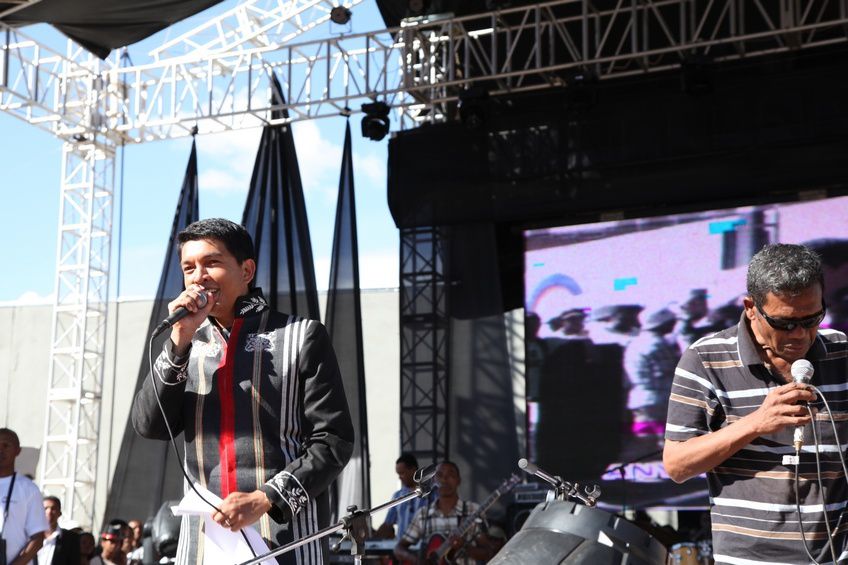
[
  {"x": 474, "y": 106},
  {"x": 375, "y": 123},
  {"x": 340, "y": 15}
]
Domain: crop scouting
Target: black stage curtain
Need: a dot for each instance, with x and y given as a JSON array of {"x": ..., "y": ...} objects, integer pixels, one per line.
[
  {"x": 275, "y": 216},
  {"x": 344, "y": 324},
  {"x": 483, "y": 438},
  {"x": 146, "y": 473},
  {"x": 102, "y": 26}
]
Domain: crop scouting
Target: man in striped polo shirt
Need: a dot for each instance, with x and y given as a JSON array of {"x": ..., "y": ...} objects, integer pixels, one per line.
[
  {"x": 733, "y": 409},
  {"x": 257, "y": 395}
]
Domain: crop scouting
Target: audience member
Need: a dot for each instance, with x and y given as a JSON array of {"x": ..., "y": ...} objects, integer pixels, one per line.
[
  {"x": 23, "y": 524},
  {"x": 87, "y": 548},
  {"x": 61, "y": 546},
  {"x": 112, "y": 544},
  {"x": 132, "y": 545}
]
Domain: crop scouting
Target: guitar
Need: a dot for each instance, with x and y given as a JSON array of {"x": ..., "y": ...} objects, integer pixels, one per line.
[{"x": 439, "y": 552}]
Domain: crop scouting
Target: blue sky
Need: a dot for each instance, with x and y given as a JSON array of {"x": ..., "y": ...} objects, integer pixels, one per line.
[{"x": 31, "y": 163}]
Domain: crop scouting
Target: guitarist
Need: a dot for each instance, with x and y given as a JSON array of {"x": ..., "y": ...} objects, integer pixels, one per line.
[{"x": 435, "y": 524}]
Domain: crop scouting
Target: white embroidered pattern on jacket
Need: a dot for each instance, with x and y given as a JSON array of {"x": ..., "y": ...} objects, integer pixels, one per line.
[
  {"x": 252, "y": 304},
  {"x": 207, "y": 349},
  {"x": 291, "y": 490},
  {"x": 257, "y": 342},
  {"x": 162, "y": 367}
]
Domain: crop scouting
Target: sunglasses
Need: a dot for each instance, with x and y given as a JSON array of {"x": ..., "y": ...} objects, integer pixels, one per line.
[{"x": 789, "y": 324}]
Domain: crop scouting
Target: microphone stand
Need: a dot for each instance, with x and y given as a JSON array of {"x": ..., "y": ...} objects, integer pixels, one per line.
[
  {"x": 355, "y": 525},
  {"x": 562, "y": 489}
]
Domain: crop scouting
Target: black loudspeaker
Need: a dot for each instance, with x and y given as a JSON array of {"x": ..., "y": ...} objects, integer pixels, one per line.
[
  {"x": 566, "y": 533},
  {"x": 166, "y": 530}
]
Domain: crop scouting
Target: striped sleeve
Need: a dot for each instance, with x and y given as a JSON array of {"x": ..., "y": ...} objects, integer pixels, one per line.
[{"x": 693, "y": 407}]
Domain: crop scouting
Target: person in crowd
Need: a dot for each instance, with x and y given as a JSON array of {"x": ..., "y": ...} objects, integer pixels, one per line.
[
  {"x": 436, "y": 523},
  {"x": 614, "y": 323},
  {"x": 132, "y": 545},
  {"x": 734, "y": 407},
  {"x": 400, "y": 516},
  {"x": 257, "y": 394},
  {"x": 569, "y": 324},
  {"x": 23, "y": 521},
  {"x": 112, "y": 544},
  {"x": 694, "y": 319},
  {"x": 834, "y": 257},
  {"x": 61, "y": 546},
  {"x": 88, "y": 548},
  {"x": 649, "y": 363}
]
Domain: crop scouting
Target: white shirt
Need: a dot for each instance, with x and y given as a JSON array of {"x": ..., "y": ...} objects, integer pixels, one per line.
[
  {"x": 26, "y": 514},
  {"x": 45, "y": 554}
]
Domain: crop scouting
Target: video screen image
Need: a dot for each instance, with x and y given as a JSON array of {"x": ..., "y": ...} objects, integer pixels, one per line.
[{"x": 610, "y": 306}]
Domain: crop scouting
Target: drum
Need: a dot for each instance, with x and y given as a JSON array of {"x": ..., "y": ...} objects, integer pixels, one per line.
[
  {"x": 689, "y": 553},
  {"x": 560, "y": 532}
]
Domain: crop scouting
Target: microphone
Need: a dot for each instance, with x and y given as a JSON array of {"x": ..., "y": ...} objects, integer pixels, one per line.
[
  {"x": 802, "y": 372},
  {"x": 179, "y": 314},
  {"x": 586, "y": 495}
]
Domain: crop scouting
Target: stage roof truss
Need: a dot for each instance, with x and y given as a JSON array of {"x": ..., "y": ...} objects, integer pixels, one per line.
[
  {"x": 254, "y": 23},
  {"x": 419, "y": 69}
]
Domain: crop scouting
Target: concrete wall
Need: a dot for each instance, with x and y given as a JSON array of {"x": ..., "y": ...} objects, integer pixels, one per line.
[{"x": 25, "y": 360}]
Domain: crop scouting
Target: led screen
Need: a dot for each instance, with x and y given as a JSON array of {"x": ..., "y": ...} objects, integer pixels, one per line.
[{"x": 609, "y": 307}]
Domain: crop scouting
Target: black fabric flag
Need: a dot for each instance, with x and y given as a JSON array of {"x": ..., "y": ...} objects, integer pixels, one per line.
[
  {"x": 344, "y": 324},
  {"x": 146, "y": 473},
  {"x": 275, "y": 216}
]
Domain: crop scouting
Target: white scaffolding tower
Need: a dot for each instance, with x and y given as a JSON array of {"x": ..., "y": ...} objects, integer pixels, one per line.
[{"x": 215, "y": 78}]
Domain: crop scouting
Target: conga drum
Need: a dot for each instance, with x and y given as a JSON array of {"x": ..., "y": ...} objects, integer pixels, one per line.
[{"x": 560, "y": 532}]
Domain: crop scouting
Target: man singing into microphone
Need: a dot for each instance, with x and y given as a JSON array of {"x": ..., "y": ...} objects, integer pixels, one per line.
[
  {"x": 257, "y": 394},
  {"x": 734, "y": 407}
]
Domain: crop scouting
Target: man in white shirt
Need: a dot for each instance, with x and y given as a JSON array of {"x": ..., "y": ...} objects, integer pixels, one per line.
[
  {"x": 22, "y": 520},
  {"x": 61, "y": 546}
]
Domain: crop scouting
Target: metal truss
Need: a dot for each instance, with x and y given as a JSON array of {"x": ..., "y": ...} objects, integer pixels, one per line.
[
  {"x": 215, "y": 78},
  {"x": 420, "y": 68},
  {"x": 424, "y": 344},
  {"x": 78, "y": 337},
  {"x": 254, "y": 23}
]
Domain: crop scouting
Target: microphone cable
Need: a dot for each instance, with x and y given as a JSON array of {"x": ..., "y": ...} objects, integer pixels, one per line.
[
  {"x": 173, "y": 440},
  {"x": 819, "y": 480}
]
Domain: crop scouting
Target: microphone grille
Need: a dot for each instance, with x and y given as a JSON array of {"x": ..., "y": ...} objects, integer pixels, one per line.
[
  {"x": 202, "y": 299},
  {"x": 802, "y": 371}
]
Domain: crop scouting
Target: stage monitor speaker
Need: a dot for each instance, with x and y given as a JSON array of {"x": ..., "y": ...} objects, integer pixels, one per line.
[{"x": 567, "y": 533}]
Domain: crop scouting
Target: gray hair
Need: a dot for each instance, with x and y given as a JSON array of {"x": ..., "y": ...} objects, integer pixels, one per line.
[{"x": 783, "y": 269}]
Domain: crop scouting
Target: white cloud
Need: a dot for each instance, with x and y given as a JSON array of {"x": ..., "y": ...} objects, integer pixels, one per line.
[
  {"x": 376, "y": 270},
  {"x": 371, "y": 169},
  {"x": 30, "y": 298},
  {"x": 225, "y": 161},
  {"x": 319, "y": 160}
]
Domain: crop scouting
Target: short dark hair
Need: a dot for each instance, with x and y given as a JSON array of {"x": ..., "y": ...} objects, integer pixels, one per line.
[
  {"x": 55, "y": 500},
  {"x": 12, "y": 433},
  {"x": 407, "y": 459},
  {"x": 115, "y": 529},
  {"x": 783, "y": 269},
  {"x": 452, "y": 464},
  {"x": 234, "y": 237}
]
